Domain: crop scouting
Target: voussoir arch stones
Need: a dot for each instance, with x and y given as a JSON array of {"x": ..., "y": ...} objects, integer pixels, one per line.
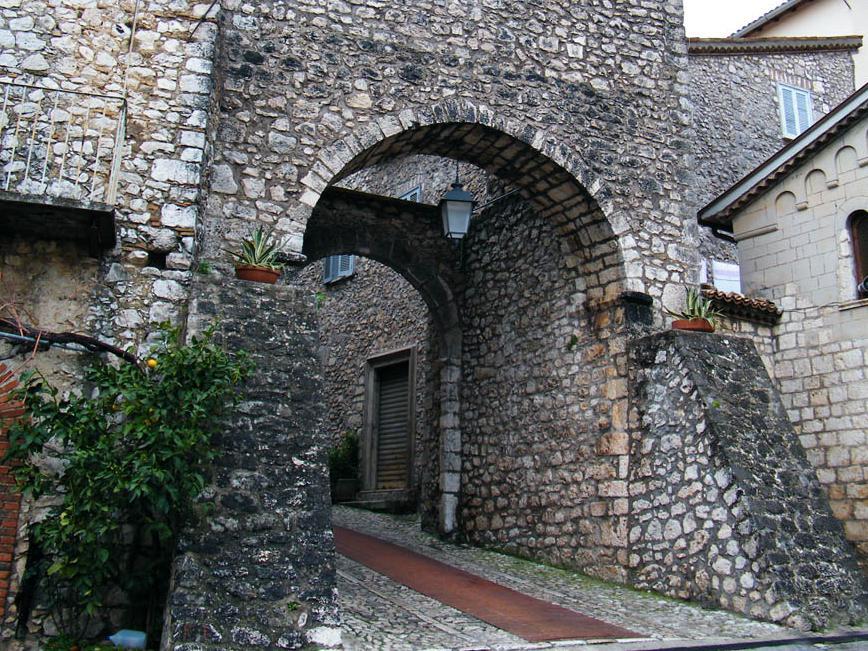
[{"x": 551, "y": 176}]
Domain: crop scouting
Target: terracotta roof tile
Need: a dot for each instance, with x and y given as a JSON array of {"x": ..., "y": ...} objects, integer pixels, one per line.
[
  {"x": 739, "y": 305},
  {"x": 771, "y": 44}
]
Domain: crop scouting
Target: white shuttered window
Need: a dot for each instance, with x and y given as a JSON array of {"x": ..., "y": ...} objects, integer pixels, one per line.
[
  {"x": 796, "y": 110},
  {"x": 413, "y": 195},
  {"x": 338, "y": 266}
]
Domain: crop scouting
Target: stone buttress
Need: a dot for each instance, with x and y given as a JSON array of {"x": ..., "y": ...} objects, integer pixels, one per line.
[
  {"x": 258, "y": 570},
  {"x": 725, "y": 507}
]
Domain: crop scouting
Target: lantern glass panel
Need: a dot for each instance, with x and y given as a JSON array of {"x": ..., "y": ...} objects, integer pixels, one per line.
[{"x": 456, "y": 218}]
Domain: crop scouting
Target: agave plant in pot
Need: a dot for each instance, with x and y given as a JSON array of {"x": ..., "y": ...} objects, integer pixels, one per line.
[
  {"x": 258, "y": 259},
  {"x": 698, "y": 314}
]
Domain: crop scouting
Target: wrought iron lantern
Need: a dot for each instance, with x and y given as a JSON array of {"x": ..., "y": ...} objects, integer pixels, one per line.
[{"x": 456, "y": 207}]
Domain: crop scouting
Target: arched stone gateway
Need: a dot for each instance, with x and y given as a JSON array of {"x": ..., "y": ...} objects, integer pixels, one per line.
[
  {"x": 574, "y": 432},
  {"x": 555, "y": 181},
  {"x": 553, "y": 414},
  {"x": 569, "y": 428},
  {"x": 580, "y": 248}
]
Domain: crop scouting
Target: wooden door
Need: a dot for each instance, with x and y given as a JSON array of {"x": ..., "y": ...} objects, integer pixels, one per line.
[{"x": 391, "y": 425}]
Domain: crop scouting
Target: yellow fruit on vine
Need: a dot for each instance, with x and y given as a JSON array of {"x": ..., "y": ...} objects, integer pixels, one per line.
[{"x": 152, "y": 363}]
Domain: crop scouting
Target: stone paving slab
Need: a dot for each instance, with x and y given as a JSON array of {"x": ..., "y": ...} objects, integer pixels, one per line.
[{"x": 380, "y": 614}]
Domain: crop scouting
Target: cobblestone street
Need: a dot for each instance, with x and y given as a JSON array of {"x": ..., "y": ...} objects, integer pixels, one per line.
[{"x": 383, "y": 615}]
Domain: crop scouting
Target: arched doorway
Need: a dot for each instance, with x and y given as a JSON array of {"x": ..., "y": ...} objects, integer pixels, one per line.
[
  {"x": 532, "y": 432},
  {"x": 405, "y": 237}
]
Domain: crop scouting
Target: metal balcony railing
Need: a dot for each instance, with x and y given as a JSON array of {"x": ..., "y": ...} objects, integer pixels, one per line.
[{"x": 60, "y": 143}]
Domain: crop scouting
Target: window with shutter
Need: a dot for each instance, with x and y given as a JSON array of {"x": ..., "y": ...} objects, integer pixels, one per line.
[
  {"x": 796, "y": 110},
  {"x": 336, "y": 267},
  {"x": 413, "y": 195}
]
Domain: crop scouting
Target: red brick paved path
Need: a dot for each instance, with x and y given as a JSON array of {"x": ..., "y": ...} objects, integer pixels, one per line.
[{"x": 527, "y": 617}]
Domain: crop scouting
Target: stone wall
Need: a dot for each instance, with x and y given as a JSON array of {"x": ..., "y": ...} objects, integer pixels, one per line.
[
  {"x": 96, "y": 52},
  {"x": 795, "y": 249},
  {"x": 725, "y": 506},
  {"x": 736, "y": 114},
  {"x": 369, "y": 313},
  {"x": 432, "y": 175},
  {"x": 258, "y": 569},
  {"x": 149, "y": 55},
  {"x": 52, "y": 285},
  {"x": 817, "y": 359},
  {"x": 543, "y": 407}
]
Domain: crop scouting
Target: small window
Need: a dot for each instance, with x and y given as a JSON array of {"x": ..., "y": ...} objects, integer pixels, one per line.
[
  {"x": 413, "y": 195},
  {"x": 859, "y": 238},
  {"x": 726, "y": 276},
  {"x": 796, "y": 110},
  {"x": 336, "y": 267}
]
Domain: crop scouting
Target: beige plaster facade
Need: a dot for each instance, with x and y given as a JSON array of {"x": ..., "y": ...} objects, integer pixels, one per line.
[
  {"x": 825, "y": 18},
  {"x": 794, "y": 248}
]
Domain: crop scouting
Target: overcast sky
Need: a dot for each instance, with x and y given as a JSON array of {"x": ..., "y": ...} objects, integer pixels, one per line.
[{"x": 716, "y": 18}]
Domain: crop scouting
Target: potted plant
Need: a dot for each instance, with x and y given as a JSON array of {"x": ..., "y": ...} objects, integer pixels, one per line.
[
  {"x": 257, "y": 260},
  {"x": 698, "y": 314},
  {"x": 344, "y": 468}
]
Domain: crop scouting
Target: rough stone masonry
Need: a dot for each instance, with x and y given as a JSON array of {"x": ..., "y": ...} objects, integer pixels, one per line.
[
  {"x": 722, "y": 490},
  {"x": 260, "y": 570},
  {"x": 252, "y": 117}
]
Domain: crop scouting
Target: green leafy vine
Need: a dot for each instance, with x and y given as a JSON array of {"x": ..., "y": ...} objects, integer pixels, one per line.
[{"x": 126, "y": 460}]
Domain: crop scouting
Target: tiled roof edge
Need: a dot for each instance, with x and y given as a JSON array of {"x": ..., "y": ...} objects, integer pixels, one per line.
[
  {"x": 771, "y": 45},
  {"x": 738, "y": 305}
]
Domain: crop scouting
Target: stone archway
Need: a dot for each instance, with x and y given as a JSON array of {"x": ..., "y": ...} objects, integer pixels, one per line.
[
  {"x": 401, "y": 234},
  {"x": 407, "y": 237},
  {"x": 586, "y": 254},
  {"x": 548, "y": 175}
]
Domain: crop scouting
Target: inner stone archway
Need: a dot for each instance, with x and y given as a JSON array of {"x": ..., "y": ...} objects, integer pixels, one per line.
[
  {"x": 552, "y": 311},
  {"x": 406, "y": 236}
]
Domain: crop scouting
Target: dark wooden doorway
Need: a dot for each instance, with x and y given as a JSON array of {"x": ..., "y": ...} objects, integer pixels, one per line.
[
  {"x": 390, "y": 421},
  {"x": 392, "y": 440}
]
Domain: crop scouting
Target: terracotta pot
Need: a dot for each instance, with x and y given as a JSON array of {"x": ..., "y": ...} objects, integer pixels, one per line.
[
  {"x": 257, "y": 274},
  {"x": 696, "y": 325},
  {"x": 345, "y": 490}
]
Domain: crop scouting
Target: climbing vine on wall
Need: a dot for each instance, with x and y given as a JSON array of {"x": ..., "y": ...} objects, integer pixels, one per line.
[{"x": 125, "y": 459}]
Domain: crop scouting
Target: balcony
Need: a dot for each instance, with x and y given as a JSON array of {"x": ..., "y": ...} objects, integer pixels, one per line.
[{"x": 60, "y": 155}]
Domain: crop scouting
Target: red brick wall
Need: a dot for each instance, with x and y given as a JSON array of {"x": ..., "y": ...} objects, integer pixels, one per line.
[{"x": 10, "y": 500}]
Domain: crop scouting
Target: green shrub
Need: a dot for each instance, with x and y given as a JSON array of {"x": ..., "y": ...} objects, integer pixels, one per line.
[
  {"x": 344, "y": 458},
  {"x": 132, "y": 454}
]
